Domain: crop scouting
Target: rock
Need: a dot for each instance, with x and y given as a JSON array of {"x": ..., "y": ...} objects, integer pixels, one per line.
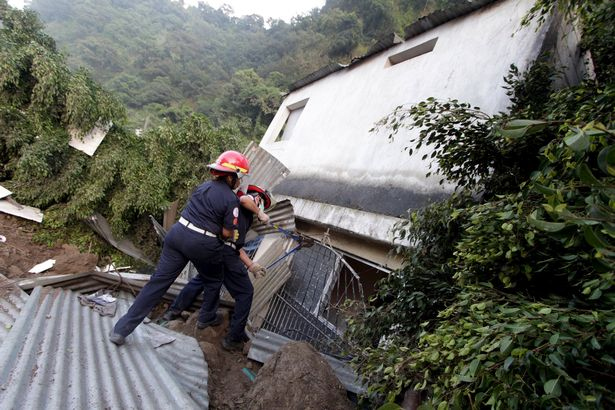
[
  {"x": 176, "y": 325},
  {"x": 209, "y": 333},
  {"x": 212, "y": 357},
  {"x": 297, "y": 377}
]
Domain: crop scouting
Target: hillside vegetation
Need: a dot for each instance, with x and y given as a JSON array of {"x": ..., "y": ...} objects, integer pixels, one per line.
[{"x": 164, "y": 61}]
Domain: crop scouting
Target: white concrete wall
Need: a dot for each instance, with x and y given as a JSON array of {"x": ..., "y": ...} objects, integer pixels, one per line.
[{"x": 332, "y": 139}]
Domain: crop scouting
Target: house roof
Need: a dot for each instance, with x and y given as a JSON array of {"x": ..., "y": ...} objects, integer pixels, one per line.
[
  {"x": 420, "y": 26},
  {"x": 57, "y": 355},
  {"x": 12, "y": 299}
]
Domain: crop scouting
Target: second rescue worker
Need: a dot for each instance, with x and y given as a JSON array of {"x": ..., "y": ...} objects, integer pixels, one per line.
[{"x": 209, "y": 218}]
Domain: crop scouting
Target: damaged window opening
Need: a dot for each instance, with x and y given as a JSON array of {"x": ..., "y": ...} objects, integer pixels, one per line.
[
  {"x": 413, "y": 52},
  {"x": 294, "y": 112}
]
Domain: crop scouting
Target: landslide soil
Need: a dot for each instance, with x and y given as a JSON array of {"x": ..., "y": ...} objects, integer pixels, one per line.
[{"x": 19, "y": 253}]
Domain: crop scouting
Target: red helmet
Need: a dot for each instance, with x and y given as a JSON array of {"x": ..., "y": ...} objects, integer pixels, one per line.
[
  {"x": 263, "y": 194},
  {"x": 230, "y": 162}
]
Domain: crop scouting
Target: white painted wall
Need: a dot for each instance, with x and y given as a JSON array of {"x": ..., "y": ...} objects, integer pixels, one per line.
[{"x": 332, "y": 138}]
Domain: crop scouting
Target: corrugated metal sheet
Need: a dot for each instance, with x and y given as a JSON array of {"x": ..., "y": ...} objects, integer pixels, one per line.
[
  {"x": 265, "y": 344},
  {"x": 57, "y": 356},
  {"x": 129, "y": 282},
  {"x": 282, "y": 215},
  {"x": 12, "y": 300},
  {"x": 276, "y": 277},
  {"x": 440, "y": 17},
  {"x": 420, "y": 26},
  {"x": 101, "y": 226},
  {"x": 316, "y": 75},
  {"x": 265, "y": 169},
  {"x": 381, "y": 45}
]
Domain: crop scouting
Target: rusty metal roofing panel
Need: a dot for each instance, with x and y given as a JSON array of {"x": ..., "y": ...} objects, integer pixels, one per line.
[
  {"x": 265, "y": 344},
  {"x": 281, "y": 215},
  {"x": 266, "y": 170},
  {"x": 422, "y": 25},
  {"x": 57, "y": 356},
  {"x": 382, "y": 44},
  {"x": 440, "y": 17},
  {"x": 316, "y": 75},
  {"x": 12, "y": 300}
]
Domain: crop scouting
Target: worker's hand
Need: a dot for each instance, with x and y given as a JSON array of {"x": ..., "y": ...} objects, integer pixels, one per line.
[
  {"x": 257, "y": 270},
  {"x": 263, "y": 217}
]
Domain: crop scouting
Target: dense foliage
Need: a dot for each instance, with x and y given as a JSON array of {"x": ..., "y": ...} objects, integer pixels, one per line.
[
  {"x": 164, "y": 60},
  {"x": 506, "y": 299},
  {"x": 43, "y": 103}
]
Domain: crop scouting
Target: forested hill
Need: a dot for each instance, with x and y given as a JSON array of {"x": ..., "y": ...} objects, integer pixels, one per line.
[{"x": 164, "y": 60}]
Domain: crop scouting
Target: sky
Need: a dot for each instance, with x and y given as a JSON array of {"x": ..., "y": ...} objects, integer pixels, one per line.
[{"x": 277, "y": 9}]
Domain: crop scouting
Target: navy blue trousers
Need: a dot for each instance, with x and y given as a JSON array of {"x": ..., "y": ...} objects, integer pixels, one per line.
[
  {"x": 236, "y": 281},
  {"x": 180, "y": 246}
]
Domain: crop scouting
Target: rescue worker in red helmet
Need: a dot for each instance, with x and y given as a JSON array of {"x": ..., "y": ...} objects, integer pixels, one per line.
[
  {"x": 236, "y": 279},
  {"x": 208, "y": 220}
]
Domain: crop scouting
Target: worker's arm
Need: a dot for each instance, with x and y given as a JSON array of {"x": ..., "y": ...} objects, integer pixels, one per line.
[
  {"x": 252, "y": 266},
  {"x": 248, "y": 202}
]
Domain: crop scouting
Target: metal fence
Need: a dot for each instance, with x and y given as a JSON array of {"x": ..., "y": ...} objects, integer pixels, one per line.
[{"x": 313, "y": 304}]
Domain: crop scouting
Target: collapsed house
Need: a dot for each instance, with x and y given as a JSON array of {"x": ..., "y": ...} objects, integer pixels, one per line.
[{"x": 349, "y": 186}]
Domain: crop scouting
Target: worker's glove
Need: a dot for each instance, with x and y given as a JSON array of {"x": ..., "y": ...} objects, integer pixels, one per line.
[
  {"x": 257, "y": 270},
  {"x": 263, "y": 217}
]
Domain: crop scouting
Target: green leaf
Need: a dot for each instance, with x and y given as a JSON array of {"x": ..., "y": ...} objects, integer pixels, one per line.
[
  {"x": 443, "y": 405},
  {"x": 608, "y": 359},
  {"x": 556, "y": 359},
  {"x": 606, "y": 160},
  {"x": 523, "y": 123},
  {"x": 595, "y": 294},
  {"x": 552, "y": 387},
  {"x": 513, "y": 133},
  {"x": 474, "y": 366},
  {"x": 545, "y": 190},
  {"x": 586, "y": 176},
  {"x": 544, "y": 225},
  {"x": 578, "y": 141},
  {"x": 593, "y": 238},
  {"x": 509, "y": 360},
  {"x": 505, "y": 344},
  {"x": 554, "y": 338},
  {"x": 390, "y": 406}
]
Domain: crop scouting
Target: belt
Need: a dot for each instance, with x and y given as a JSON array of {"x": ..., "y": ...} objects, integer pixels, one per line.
[{"x": 195, "y": 228}]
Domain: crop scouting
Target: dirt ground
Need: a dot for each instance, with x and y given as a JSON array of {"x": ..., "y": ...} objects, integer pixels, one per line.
[
  {"x": 228, "y": 381},
  {"x": 18, "y": 253}
]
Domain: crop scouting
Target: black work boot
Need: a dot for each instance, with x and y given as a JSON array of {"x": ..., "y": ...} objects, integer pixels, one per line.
[
  {"x": 171, "y": 315},
  {"x": 116, "y": 338},
  {"x": 232, "y": 345},
  {"x": 214, "y": 322}
]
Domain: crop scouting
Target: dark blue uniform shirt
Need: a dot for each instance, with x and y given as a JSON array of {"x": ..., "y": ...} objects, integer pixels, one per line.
[
  {"x": 211, "y": 206},
  {"x": 245, "y": 222}
]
